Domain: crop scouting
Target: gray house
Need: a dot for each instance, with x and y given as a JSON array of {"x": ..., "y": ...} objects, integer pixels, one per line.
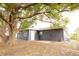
[
  {"x": 42, "y": 34},
  {"x": 42, "y": 31}
]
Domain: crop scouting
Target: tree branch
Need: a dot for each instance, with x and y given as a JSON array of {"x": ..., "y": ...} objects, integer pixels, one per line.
[
  {"x": 18, "y": 6},
  {"x": 29, "y": 4},
  {"x": 33, "y": 15},
  {"x": 40, "y": 13},
  {"x": 64, "y": 9},
  {"x": 47, "y": 21},
  {"x": 1, "y": 36},
  {"x": 59, "y": 11},
  {"x": 5, "y": 20}
]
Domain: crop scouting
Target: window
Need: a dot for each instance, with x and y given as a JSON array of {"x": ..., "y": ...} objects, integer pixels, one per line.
[
  {"x": 41, "y": 33},
  {"x": 25, "y": 34}
]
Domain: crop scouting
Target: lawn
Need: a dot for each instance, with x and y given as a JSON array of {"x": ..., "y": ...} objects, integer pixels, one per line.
[{"x": 40, "y": 48}]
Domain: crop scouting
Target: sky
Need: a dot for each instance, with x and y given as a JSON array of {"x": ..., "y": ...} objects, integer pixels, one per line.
[{"x": 73, "y": 20}]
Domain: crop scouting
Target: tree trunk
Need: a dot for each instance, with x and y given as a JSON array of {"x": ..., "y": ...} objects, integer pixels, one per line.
[
  {"x": 12, "y": 38},
  {"x": 12, "y": 35}
]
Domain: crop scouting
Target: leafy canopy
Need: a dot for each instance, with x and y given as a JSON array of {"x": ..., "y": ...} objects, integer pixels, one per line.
[{"x": 28, "y": 13}]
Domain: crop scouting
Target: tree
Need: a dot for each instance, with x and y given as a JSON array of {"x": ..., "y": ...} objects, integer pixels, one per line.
[{"x": 26, "y": 14}]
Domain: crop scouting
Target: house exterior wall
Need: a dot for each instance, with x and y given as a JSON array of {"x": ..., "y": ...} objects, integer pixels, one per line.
[
  {"x": 23, "y": 35},
  {"x": 50, "y": 35}
]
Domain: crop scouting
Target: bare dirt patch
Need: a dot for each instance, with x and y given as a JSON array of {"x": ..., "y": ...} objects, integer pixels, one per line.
[{"x": 34, "y": 48}]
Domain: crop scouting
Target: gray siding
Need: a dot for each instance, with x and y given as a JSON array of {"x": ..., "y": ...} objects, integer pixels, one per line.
[
  {"x": 48, "y": 35},
  {"x": 52, "y": 35},
  {"x": 23, "y": 35}
]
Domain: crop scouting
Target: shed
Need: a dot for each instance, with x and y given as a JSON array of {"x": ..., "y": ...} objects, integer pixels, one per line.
[{"x": 42, "y": 34}]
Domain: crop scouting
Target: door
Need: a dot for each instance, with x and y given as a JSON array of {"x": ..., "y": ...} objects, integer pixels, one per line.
[
  {"x": 38, "y": 35},
  {"x": 32, "y": 35}
]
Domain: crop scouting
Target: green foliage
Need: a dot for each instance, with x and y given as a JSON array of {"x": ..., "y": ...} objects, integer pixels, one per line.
[
  {"x": 52, "y": 10},
  {"x": 7, "y": 6},
  {"x": 62, "y": 23},
  {"x": 54, "y": 15},
  {"x": 73, "y": 6},
  {"x": 75, "y": 35},
  {"x": 24, "y": 24}
]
